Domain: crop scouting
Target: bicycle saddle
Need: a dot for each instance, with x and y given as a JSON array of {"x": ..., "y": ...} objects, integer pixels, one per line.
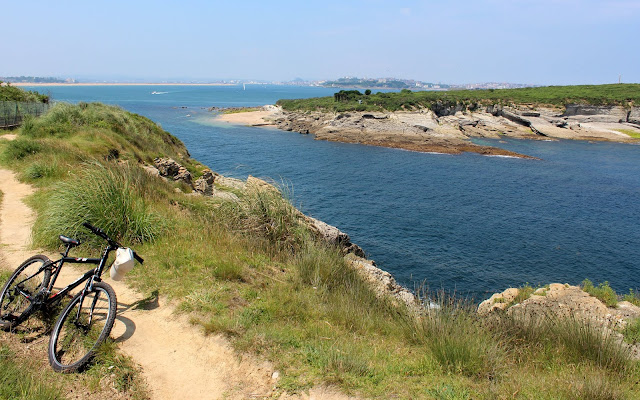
[{"x": 69, "y": 241}]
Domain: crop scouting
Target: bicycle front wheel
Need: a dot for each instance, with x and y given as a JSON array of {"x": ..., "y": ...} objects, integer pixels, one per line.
[
  {"x": 83, "y": 326},
  {"x": 20, "y": 291}
]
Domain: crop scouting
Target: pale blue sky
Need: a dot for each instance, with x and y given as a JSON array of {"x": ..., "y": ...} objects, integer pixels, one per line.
[{"x": 519, "y": 41}]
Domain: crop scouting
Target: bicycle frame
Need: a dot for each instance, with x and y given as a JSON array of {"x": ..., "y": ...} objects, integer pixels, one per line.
[{"x": 93, "y": 275}]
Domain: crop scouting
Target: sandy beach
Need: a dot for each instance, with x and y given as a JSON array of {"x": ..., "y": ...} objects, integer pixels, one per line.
[{"x": 263, "y": 117}]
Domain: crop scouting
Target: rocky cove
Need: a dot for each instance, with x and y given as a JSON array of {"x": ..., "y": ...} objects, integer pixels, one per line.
[{"x": 450, "y": 129}]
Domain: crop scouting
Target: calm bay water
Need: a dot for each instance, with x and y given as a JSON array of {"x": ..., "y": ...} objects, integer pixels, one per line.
[{"x": 471, "y": 223}]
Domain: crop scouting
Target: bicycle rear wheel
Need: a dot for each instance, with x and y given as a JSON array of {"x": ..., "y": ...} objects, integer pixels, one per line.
[
  {"x": 83, "y": 326},
  {"x": 19, "y": 292}
]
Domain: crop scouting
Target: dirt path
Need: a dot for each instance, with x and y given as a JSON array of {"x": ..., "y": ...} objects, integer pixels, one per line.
[{"x": 178, "y": 361}]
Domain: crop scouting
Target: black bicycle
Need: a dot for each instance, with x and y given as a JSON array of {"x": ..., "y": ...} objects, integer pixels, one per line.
[{"x": 87, "y": 319}]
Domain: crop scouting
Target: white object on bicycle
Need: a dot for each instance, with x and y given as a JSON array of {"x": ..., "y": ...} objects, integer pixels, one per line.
[{"x": 122, "y": 264}]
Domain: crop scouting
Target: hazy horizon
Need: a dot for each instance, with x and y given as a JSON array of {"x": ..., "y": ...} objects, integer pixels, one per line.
[{"x": 546, "y": 42}]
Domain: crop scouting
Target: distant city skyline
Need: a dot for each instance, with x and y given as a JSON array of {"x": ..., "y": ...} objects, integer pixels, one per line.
[{"x": 544, "y": 42}]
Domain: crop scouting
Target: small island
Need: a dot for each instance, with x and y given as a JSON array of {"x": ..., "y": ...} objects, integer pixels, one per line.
[{"x": 446, "y": 122}]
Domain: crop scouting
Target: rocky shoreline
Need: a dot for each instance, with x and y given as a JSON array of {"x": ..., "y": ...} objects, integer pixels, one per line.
[
  {"x": 212, "y": 184},
  {"x": 552, "y": 301},
  {"x": 450, "y": 129}
]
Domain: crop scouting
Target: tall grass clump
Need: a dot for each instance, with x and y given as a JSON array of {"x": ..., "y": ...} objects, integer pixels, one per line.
[
  {"x": 457, "y": 340},
  {"x": 264, "y": 212},
  {"x": 578, "y": 339},
  {"x": 108, "y": 196}
]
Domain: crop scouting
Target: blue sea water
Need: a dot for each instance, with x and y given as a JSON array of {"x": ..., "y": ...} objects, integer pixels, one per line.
[{"x": 469, "y": 223}]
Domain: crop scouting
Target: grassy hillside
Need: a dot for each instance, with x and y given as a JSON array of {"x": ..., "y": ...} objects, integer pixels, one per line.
[
  {"x": 251, "y": 270},
  {"x": 615, "y": 94}
]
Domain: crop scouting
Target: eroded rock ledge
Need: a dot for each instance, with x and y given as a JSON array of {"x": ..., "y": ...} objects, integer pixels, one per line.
[{"x": 449, "y": 129}]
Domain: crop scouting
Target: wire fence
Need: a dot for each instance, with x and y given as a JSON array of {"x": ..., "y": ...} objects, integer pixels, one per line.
[{"x": 12, "y": 113}]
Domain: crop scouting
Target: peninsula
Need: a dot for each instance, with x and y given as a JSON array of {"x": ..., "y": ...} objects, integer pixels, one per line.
[{"x": 446, "y": 122}]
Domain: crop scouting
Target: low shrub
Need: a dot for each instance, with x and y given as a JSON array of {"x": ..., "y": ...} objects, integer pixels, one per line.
[
  {"x": 632, "y": 297},
  {"x": 603, "y": 292},
  {"x": 20, "y": 148}
]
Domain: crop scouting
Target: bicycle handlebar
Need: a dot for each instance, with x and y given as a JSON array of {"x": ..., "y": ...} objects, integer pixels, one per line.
[{"x": 100, "y": 232}]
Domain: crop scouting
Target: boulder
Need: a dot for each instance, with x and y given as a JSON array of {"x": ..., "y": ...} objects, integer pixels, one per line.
[
  {"x": 204, "y": 184},
  {"x": 231, "y": 183},
  {"x": 498, "y": 301},
  {"x": 633, "y": 116},
  {"x": 170, "y": 169},
  {"x": 183, "y": 175},
  {"x": 167, "y": 167}
]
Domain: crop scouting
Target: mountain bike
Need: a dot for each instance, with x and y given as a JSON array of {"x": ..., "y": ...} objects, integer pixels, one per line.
[{"x": 85, "y": 322}]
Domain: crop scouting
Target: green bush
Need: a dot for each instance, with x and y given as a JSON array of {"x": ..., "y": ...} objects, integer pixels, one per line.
[
  {"x": 20, "y": 148},
  {"x": 603, "y": 292},
  {"x": 632, "y": 297}
]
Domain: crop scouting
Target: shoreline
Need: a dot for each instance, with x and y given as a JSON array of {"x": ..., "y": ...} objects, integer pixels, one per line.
[
  {"x": 270, "y": 116},
  {"x": 120, "y": 84},
  {"x": 451, "y": 133}
]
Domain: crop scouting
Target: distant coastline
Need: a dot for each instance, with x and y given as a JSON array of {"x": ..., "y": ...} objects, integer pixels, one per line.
[{"x": 120, "y": 84}]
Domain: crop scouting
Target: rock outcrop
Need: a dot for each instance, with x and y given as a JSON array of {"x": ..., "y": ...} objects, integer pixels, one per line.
[
  {"x": 562, "y": 300},
  {"x": 334, "y": 236},
  {"x": 170, "y": 169},
  {"x": 204, "y": 184},
  {"x": 448, "y": 128},
  {"x": 382, "y": 282}
]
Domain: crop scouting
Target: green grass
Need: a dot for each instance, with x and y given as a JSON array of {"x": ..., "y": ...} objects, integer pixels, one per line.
[
  {"x": 632, "y": 133},
  {"x": 241, "y": 110},
  {"x": 115, "y": 198},
  {"x": 18, "y": 381},
  {"x": 251, "y": 271},
  {"x": 557, "y": 96},
  {"x": 631, "y": 332}
]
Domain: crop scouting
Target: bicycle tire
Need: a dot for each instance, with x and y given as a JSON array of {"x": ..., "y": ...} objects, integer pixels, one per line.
[
  {"x": 15, "y": 308},
  {"x": 76, "y": 335}
]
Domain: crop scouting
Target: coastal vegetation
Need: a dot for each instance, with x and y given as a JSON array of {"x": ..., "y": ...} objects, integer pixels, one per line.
[
  {"x": 13, "y": 93},
  {"x": 251, "y": 270},
  {"x": 554, "y": 96}
]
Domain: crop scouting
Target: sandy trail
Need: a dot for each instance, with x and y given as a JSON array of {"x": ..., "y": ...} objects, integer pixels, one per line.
[{"x": 177, "y": 360}]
